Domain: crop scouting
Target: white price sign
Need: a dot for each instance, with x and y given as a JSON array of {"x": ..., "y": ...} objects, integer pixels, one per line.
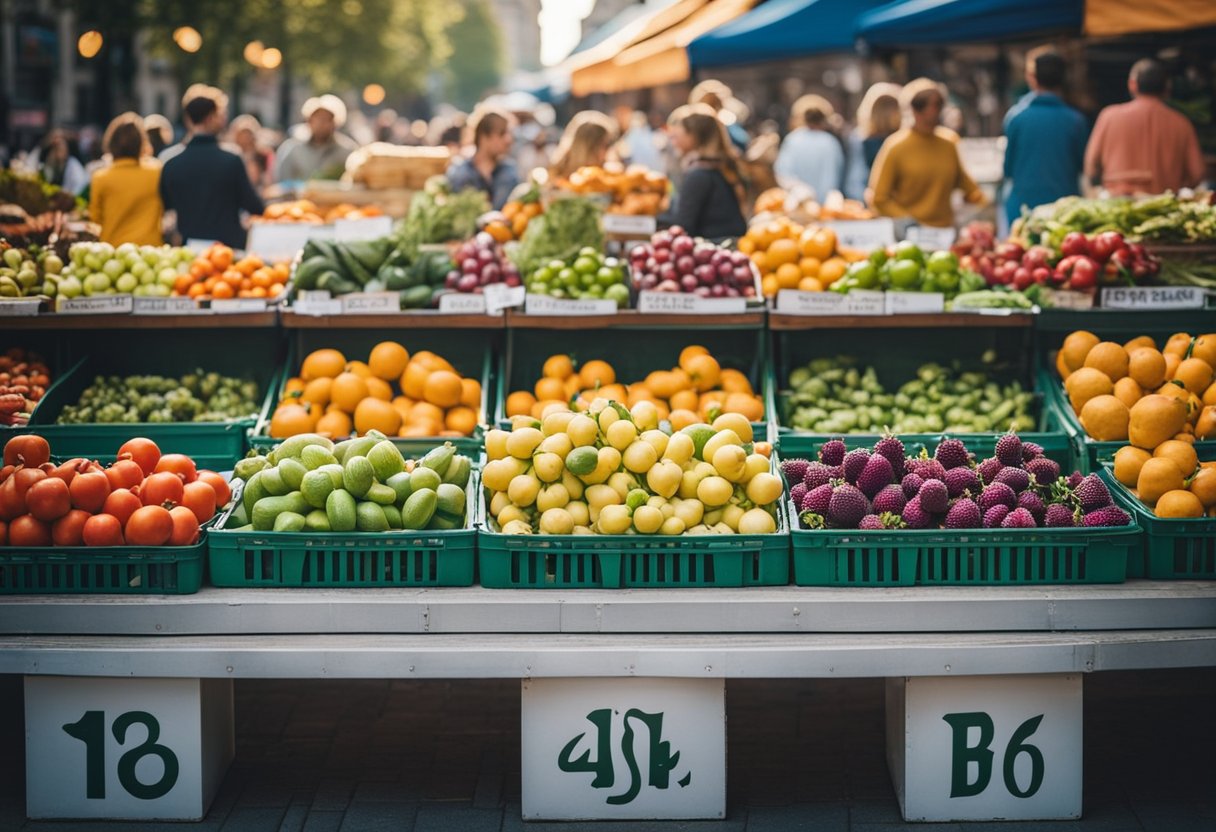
[
  {"x": 369, "y": 228},
  {"x": 865, "y": 302},
  {"x": 199, "y": 246},
  {"x": 370, "y": 303},
  {"x": 462, "y": 303},
  {"x": 282, "y": 240},
  {"x": 19, "y": 307},
  {"x": 316, "y": 302},
  {"x": 630, "y": 224},
  {"x": 166, "y": 306},
  {"x": 545, "y": 305},
  {"x": 865, "y": 234},
  {"x": 930, "y": 238},
  {"x": 500, "y": 297},
  {"x": 1068, "y": 299},
  {"x": 682, "y": 303},
  {"x": 1153, "y": 297},
  {"x": 96, "y": 305},
  {"x": 915, "y": 303},
  {"x": 797, "y": 302},
  {"x": 238, "y": 306}
]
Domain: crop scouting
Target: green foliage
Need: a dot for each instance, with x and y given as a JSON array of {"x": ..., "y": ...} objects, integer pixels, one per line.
[{"x": 477, "y": 53}]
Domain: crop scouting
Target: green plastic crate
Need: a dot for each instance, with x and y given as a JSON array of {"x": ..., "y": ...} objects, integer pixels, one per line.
[
  {"x": 970, "y": 557},
  {"x": 1173, "y": 549},
  {"x": 51, "y": 347},
  {"x": 127, "y": 570}
]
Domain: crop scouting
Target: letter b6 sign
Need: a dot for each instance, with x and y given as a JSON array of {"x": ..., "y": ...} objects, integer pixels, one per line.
[{"x": 986, "y": 748}]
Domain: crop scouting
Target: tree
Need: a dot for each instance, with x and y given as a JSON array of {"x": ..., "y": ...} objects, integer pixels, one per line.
[{"x": 475, "y": 65}]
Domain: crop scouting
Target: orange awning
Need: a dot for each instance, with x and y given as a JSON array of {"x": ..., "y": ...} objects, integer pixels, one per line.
[{"x": 1107, "y": 18}]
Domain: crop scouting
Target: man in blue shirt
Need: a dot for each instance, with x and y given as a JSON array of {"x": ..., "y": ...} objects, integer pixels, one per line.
[
  {"x": 1045, "y": 138},
  {"x": 490, "y": 168}
]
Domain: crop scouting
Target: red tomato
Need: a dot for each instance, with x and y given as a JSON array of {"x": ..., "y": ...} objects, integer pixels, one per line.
[
  {"x": 68, "y": 530},
  {"x": 28, "y": 450},
  {"x": 3, "y": 533},
  {"x": 28, "y": 530},
  {"x": 200, "y": 498},
  {"x": 125, "y": 473},
  {"x": 12, "y": 503},
  {"x": 160, "y": 489},
  {"x": 89, "y": 491},
  {"x": 149, "y": 526},
  {"x": 103, "y": 530},
  {"x": 185, "y": 527},
  {"x": 122, "y": 504},
  {"x": 223, "y": 492},
  {"x": 68, "y": 470},
  {"x": 143, "y": 451},
  {"x": 48, "y": 499},
  {"x": 178, "y": 464}
]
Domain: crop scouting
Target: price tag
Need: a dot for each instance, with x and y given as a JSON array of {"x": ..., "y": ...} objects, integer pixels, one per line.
[
  {"x": 317, "y": 303},
  {"x": 19, "y": 307},
  {"x": 282, "y": 240},
  {"x": 795, "y": 302},
  {"x": 865, "y": 302},
  {"x": 930, "y": 238},
  {"x": 462, "y": 303},
  {"x": 500, "y": 296},
  {"x": 368, "y": 228},
  {"x": 1153, "y": 297},
  {"x": 166, "y": 306},
  {"x": 370, "y": 303},
  {"x": 1068, "y": 299},
  {"x": 915, "y": 303},
  {"x": 681, "y": 303},
  {"x": 199, "y": 246},
  {"x": 545, "y": 305},
  {"x": 96, "y": 305},
  {"x": 865, "y": 234},
  {"x": 237, "y": 306},
  {"x": 630, "y": 224}
]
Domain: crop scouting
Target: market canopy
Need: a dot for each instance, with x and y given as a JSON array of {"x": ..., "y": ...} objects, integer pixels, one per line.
[
  {"x": 910, "y": 22},
  {"x": 1107, "y": 18},
  {"x": 782, "y": 29}
]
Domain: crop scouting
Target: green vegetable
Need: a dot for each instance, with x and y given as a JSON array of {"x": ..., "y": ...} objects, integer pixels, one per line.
[{"x": 567, "y": 226}]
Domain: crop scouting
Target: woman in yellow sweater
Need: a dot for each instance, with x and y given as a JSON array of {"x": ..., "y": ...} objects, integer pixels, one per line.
[
  {"x": 918, "y": 168},
  {"x": 125, "y": 199}
]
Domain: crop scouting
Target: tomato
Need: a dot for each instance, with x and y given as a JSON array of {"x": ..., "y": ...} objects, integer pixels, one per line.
[
  {"x": 12, "y": 503},
  {"x": 27, "y": 449},
  {"x": 125, "y": 473},
  {"x": 48, "y": 499},
  {"x": 185, "y": 527},
  {"x": 178, "y": 464},
  {"x": 28, "y": 530},
  {"x": 25, "y": 477},
  {"x": 223, "y": 492},
  {"x": 68, "y": 470},
  {"x": 103, "y": 530},
  {"x": 3, "y": 533},
  {"x": 149, "y": 526},
  {"x": 161, "y": 489},
  {"x": 68, "y": 530},
  {"x": 89, "y": 491},
  {"x": 6, "y": 472},
  {"x": 143, "y": 451},
  {"x": 122, "y": 504},
  {"x": 200, "y": 498}
]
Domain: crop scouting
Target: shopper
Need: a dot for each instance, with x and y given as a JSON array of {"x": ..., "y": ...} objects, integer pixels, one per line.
[
  {"x": 321, "y": 152},
  {"x": 917, "y": 170},
  {"x": 1144, "y": 146},
  {"x": 877, "y": 118},
  {"x": 719, "y": 97},
  {"x": 638, "y": 144},
  {"x": 1045, "y": 139},
  {"x": 811, "y": 154},
  {"x": 58, "y": 165},
  {"x": 124, "y": 198},
  {"x": 206, "y": 185},
  {"x": 586, "y": 141},
  {"x": 259, "y": 160},
  {"x": 712, "y": 191},
  {"x": 159, "y": 131},
  {"x": 489, "y": 167}
]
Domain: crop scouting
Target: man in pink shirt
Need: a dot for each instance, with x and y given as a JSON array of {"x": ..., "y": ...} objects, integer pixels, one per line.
[{"x": 1144, "y": 146}]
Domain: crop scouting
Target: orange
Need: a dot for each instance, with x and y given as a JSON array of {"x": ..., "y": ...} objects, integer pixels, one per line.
[
  {"x": 443, "y": 388},
  {"x": 1127, "y": 391},
  {"x": 289, "y": 420},
  {"x": 1205, "y": 348},
  {"x": 810, "y": 284},
  {"x": 1076, "y": 347},
  {"x": 788, "y": 276},
  {"x": 684, "y": 400},
  {"x": 403, "y": 406},
  {"x": 1195, "y": 374},
  {"x": 1209, "y": 395},
  {"x": 1110, "y": 358},
  {"x": 760, "y": 260},
  {"x": 1128, "y": 462},
  {"x": 470, "y": 393},
  {"x": 347, "y": 391},
  {"x": 549, "y": 388},
  {"x": 749, "y": 406},
  {"x": 662, "y": 383},
  {"x": 431, "y": 361},
  {"x": 377, "y": 414},
  {"x": 818, "y": 242},
  {"x": 414, "y": 431},
  {"x": 733, "y": 381},
  {"x": 1172, "y": 360},
  {"x": 573, "y": 386},
  {"x": 1158, "y": 476},
  {"x": 1178, "y": 344},
  {"x": 520, "y": 403},
  {"x": 334, "y": 424},
  {"x": 681, "y": 419},
  {"x": 597, "y": 374},
  {"x": 413, "y": 380},
  {"x": 1140, "y": 341},
  {"x": 295, "y": 384},
  {"x": 704, "y": 372},
  {"x": 317, "y": 391},
  {"x": 1085, "y": 384},
  {"x": 1203, "y": 486},
  {"x": 746, "y": 244},
  {"x": 1179, "y": 503},
  {"x": 832, "y": 270},
  {"x": 769, "y": 286},
  {"x": 1146, "y": 366},
  {"x": 809, "y": 266},
  {"x": 387, "y": 360},
  {"x": 359, "y": 368},
  {"x": 689, "y": 352},
  {"x": 1181, "y": 453},
  {"x": 558, "y": 366},
  {"x": 427, "y": 412},
  {"x": 378, "y": 388},
  {"x": 463, "y": 420},
  {"x": 782, "y": 252}
]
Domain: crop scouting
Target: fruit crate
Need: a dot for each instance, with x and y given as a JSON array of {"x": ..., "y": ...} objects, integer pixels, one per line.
[
  {"x": 633, "y": 354},
  {"x": 246, "y": 354},
  {"x": 964, "y": 557},
  {"x": 873, "y": 348},
  {"x": 345, "y": 559},
  {"x": 1173, "y": 549},
  {"x": 470, "y": 352},
  {"x": 126, "y": 570}
]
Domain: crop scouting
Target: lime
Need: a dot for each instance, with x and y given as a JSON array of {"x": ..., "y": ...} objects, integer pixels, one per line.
[
  {"x": 908, "y": 250},
  {"x": 607, "y": 275},
  {"x": 618, "y": 292},
  {"x": 568, "y": 277},
  {"x": 586, "y": 265},
  {"x": 904, "y": 274}
]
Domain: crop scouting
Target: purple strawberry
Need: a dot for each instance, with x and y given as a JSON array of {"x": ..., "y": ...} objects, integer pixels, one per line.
[
  {"x": 817, "y": 499},
  {"x": 832, "y": 452},
  {"x": 1019, "y": 518},
  {"x": 1031, "y": 450},
  {"x": 794, "y": 469},
  {"x": 1009, "y": 449},
  {"x": 1058, "y": 516},
  {"x": 1015, "y": 478},
  {"x": 1092, "y": 494},
  {"x": 988, "y": 469},
  {"x": 890, "y": 500},
  {"x": 893, "y": 450},
  {"x": 911, "y": 484},
  {"x": 916, "y": 516},
  {"x": 847, "y": 506},
  {"x": 797, "y": 492},
  {"x": 951, "y": 453},
  {"x": 1108, "y": 516},
  {"x": 964, "y": 514},
  {"x": 929, "y": 469},
  {"x": 997, "y": 494},
  {"x": 837, "y": 471},
  {"x": 816, "y": 475},
  {"x": 854, "y": 461},
  {"x": 1034, "y": 504},
  {"x": 961, "y": 480},
  {"x": 875, "y": 475},
  {"x": 1045, "y": 471},
  {"x": 934, "y": 496},
  {"x": 1074, "y": 479},
  {"x": 871, "y": 522},
  {"x": 994, "y": 516}
]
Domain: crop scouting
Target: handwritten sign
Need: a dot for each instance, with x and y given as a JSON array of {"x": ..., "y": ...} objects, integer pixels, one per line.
[
  {"x": 681, "y": 303},
  {"x": 545, "y": 305},
  {"x": 462, "y": 303},
  {"x": 368, "y": 228},
  {"x": 628, "y": 224},
  {"x": 19, "y": 307},
  {"x": 1068, "y": 299},
  {"x": 95, "y": 305},
  {"x": 282, "y": 240},
  {"x": 865, "y": 302},
  {"x": 166, "y": 306},
  {"x": 238, "y": 306},
  {"x": 370, "y": 303},
  {"x": 930, "y": 238},
  {"x": 317, "y": 303},
  {"x": 1153, "y": 297},
  {"x": 915, "y": 303},
  {"x": 500, "y": 296},
  {"x": 796, "y": 302},
  {"x": 865, "y": 234}
]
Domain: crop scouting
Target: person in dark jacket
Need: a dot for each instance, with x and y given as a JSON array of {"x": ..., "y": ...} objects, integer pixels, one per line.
[
  {"x": 206, "y": 185},
  {"x": 712, "y": 191}
]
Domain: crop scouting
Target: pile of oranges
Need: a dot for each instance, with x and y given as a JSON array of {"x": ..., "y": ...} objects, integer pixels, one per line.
[
  {"x": 697, "y": 390},
  {"x": 511, "y": 223},
  {"x": 215, "y": 275},
  {"x": 790, "y": 256},
  {"x": 305, "y": 210},
  {"x": 398, "y": 394}
]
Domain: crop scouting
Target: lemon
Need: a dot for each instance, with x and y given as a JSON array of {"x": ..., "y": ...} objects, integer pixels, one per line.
[
  {"x": 578, "y": 510},
  {"x": 712, "y": 518},
  {"x": 523, "y": 441},
  {"x": 689, "y": 511},
  {"x": 730, "y": 461},
  {"x": 607, "y": 418},
  {"x": 498, "y": 502},
  {"x": 757, "y": 521},
  {"x": 714, "y": 491},
  {"x": 511, "y": 513},
  {"x": 523, "y": 489},
  {"x": 582, "y": 430},
  {"x": 574, "y": 486},
  {"x": 718, "y": 440},
  {"x": 517, "y": 527},
  {"x": 647, "y": 519},
  {"x": 556, "y": 521},
  {"x": 645, "y": 415},
  {"x": 548, "y": 467},
  {"x": 599, "y": 496},
  {"x": 614, "y": 519},
  {"x": 556, "y": 422},
  {"x": 764, "y": 489},
  {"x": 689, "y": 481},
  {"x": 622, "y": 482},
  {"x": 756, "y": 464},
  {"x": 672, "y": 526},
  {"x": 621, "y": 433},
  {"x": 736, "y": 422},
  {"x": 731, "y": 515},
  {"x": 497, "y": 475},
  {"x": 680, "y": 448},
  {"x": 664, "y": 478},
  {"x": 558, "y": 443},
  {"x": 640, "y": 456},
  {"x": 658, "y": 439},
  {"x": 552, "y": 496},
  {"x": 608, "y": 461},
  {"x": 496, "y": 444}
]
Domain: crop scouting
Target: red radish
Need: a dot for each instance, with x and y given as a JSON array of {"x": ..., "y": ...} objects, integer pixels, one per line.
[
  {"x": 149, "y": 526},
  {"x": 28, "y": 530},
  {"x": 185, "y": 527},
  {"x": 89, "y": 491},
  {"x": 125, "y": 473},
  {"x": 48, "y": 499},
  {"x": 102, "y": 530},
  {"x": 68, "y": 530},
  {"x": 143, "y": 451},
  {"x": 200, "y": 498},
  {"x": 122, "y": 504},
  {"x": 178, "y": 464},
  {"x": 160, "y": 489}
]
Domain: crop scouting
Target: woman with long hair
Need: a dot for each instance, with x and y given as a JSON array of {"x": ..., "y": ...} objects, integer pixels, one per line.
[
  {"x": 709, "y": 201},
  {"x": 878, "y": 116},
  {"x": 811, "y": 153},
  {"x": 586, "y": 141},
  {"x": 125, "y": 197}
]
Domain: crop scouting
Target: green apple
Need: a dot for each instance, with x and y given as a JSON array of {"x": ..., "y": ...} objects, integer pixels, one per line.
[{"x": 126, "y": 283}]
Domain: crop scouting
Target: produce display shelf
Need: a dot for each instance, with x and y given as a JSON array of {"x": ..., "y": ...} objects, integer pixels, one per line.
[
  {"x": 129, "y": 570},
  {"x": 415, "y": 319},
  {"x": 1173, "y": 549},
  {"x": 964, "y": 557},
  {"x": 633, "y": 319},
  {"x": 58, "y": 321},
  {"x": 950, "y": 320}
]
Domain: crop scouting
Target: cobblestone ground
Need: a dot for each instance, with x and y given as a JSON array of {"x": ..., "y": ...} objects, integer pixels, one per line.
[{"x": 375, "y": 756}]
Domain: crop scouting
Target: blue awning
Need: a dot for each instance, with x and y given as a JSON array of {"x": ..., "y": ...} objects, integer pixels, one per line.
[
  {"x": 911, "y": 22},
  {"x": 782, "y": 29}
]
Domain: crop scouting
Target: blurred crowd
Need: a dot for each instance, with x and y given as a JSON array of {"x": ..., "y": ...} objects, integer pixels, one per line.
[{"x": 145, "y": 181}]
